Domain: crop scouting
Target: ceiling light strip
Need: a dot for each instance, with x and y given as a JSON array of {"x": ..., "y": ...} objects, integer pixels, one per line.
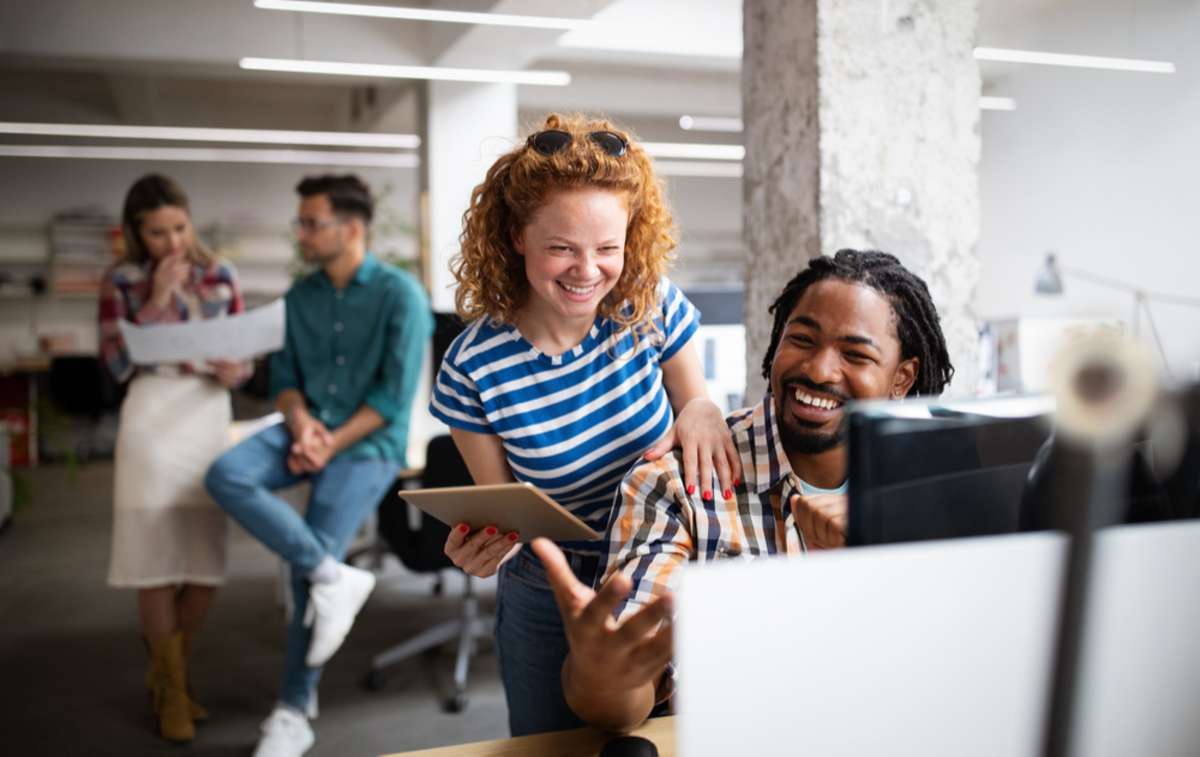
[
  {"x": 696, "y": 151},
  {"x": 1006, "y": 55},
  {"x": 215, "y": 155},
  {"x": 422, "y": 14},
  {"x": 195, "y": 134},
  {"x": 710, "y": 123},
  {"x": 709, "y": 169},
  {"x": 381, "y": 71},
  {"x": 988, "y": 102}
]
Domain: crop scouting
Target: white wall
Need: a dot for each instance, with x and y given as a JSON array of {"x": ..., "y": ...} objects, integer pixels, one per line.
[{"x": 1100, "y": 166}]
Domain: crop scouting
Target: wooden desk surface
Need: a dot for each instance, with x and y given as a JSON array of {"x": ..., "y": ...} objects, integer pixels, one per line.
[{"x": 585, "y": 742}]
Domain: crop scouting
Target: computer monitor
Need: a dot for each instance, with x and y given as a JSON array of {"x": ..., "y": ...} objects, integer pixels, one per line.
[{"x": 940, "y": 470}]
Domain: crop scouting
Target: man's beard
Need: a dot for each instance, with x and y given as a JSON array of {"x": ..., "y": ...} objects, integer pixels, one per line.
[{"x": 801, "y": 439}]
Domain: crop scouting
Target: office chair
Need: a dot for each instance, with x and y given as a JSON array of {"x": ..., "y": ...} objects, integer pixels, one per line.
[
  {"x": 80, "y": 386},
  {"x": 420, "y": 550}
]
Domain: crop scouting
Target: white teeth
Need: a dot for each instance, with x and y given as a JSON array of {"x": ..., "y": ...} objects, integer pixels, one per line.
[
  {"x": 821, "y": 402},
  {"x": 577, "y": 290}
]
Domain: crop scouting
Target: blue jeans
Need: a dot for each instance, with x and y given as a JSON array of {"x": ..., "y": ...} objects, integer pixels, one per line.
[
  {"x": 531, "y": 644},
  {"x": 343, "y": 494}
]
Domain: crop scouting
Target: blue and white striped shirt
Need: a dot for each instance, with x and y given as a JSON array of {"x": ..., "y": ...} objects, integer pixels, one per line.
[{"x": 571, "y": 424}]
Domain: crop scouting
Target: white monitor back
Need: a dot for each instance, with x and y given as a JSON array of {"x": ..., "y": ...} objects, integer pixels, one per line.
[
  {"x": 1140, "y": 665},
  {"x": 941, "y": 648},
  {"x": 935, "y": 648}
]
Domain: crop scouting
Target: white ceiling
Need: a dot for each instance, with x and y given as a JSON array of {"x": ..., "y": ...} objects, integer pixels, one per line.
[{"x": 174, "y": 62}]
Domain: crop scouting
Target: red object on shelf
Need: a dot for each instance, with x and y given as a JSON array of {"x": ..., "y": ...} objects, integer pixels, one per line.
[{"x": 16, "y": 420}]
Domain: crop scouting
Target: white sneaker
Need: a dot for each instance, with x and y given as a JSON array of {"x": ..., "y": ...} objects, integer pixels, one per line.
[
  {"x": 331, "y": 610},
  {"x": 286, "y": 733}
]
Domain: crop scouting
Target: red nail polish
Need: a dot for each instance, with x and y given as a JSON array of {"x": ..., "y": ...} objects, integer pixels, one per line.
[
  {"x": 728, "y": 494},
  {"x": 491, "y": 531},
  {"x": 737, "y": 482},
  {"x": 707, "y": 494},
  {"x": 512, "y": 536},
  {"x": 464, "y": 529},
  {"x": 691, "y": 488}
]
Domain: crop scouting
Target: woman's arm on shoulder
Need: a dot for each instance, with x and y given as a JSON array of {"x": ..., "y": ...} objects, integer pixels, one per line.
[{"x": 700, "y": 429}]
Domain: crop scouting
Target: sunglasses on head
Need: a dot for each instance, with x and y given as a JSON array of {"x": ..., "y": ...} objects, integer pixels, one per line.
[{"x": 551, "y": 141}]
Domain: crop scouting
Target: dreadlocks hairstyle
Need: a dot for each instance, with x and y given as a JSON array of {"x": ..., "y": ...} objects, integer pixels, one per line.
[
  {"x": 917, "y": 323},
  {"x": 490, "y": 273}
]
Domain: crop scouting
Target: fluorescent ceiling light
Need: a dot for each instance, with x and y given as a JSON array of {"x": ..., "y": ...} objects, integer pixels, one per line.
[
  {"x": 708, "y": 169},
  {"x": 190, "y": 134},
  {"x": 1003, "y": 55},
  {"x": 694, "y": 150},
  {"x": 377, "y": 70},
  {"x": 710, "y": 123},
  {"x": 997, "y": 103},
  {"x": 734, "y": 125},
  {"x": 216, "y": 155},
  {"x": 422, "y": 14}
]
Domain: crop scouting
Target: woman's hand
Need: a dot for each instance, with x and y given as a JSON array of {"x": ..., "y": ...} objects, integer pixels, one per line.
[
  {"x": 230, "y": 374},
  {"x": 483, "y": 552},
  {"x": 170, "y": 274},
  {"x": 701, "y": 432}
]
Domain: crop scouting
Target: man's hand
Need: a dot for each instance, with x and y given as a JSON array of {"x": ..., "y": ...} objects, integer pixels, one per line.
[
  {"x": 481, "y": 553},
  {"x": 608, "y": 659},
  {"x": 822, "y": 519},
  {"x": 312, "y": 444}
]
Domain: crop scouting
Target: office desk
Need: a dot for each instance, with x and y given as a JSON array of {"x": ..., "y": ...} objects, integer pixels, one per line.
[{"x": 584, "y": 742}]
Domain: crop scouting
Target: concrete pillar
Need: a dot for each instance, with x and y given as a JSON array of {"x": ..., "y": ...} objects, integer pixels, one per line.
[
  {"x": 467, "y": 126},
  {"x": 862, "y": 130}
]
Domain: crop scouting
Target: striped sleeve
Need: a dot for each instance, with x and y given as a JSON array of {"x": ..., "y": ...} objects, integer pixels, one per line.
[
  {"x": 456, "y": 400},
  {"x": 680, "y": 319},
  {"x": 649, "y": 537}
]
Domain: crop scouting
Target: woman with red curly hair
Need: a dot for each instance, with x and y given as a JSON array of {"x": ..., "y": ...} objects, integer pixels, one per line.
[{"x": 577, "y": 359}]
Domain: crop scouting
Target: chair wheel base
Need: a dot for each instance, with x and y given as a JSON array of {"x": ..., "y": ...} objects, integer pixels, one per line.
[
  {"x": 455, "y": 703},
  {"x": 374, "y": 680}
]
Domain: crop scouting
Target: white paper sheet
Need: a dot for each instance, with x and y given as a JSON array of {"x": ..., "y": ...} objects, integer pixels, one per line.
[{"x": 235, "y": 337}]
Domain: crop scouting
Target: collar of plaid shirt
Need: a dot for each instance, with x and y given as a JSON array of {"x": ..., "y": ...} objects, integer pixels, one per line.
[{"x": 766, "y": 468}]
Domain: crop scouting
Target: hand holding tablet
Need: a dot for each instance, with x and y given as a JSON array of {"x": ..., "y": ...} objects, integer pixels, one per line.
[
  {"x": 518, "y": 507},
  {"x": 488, "y": 523}
]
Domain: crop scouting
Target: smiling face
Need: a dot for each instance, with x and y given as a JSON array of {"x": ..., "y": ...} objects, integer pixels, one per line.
[
  {"x": 166, "y": 231},
  {"x": 574, "y": 251},
  {"x": 839, "y": 344}
]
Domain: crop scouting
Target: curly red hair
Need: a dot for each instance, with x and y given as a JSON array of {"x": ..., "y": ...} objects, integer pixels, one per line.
[{"x": 490, "y": 272}]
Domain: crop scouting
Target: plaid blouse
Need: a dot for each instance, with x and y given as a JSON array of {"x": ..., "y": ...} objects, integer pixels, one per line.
[
  {"x": 657, "y": 527},
  {"x": 210, "y": 292}
]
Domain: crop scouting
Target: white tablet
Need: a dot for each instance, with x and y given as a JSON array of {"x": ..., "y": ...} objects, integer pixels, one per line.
[{"x": 519, "y": 507}]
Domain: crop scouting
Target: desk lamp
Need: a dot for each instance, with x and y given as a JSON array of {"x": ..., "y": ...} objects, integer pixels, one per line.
[{"x": 1049, "y": 281}]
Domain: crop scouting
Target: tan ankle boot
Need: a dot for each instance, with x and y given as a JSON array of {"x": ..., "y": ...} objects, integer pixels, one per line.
[
  {"x": 199, "y": 712},
  {"x": 154, "y": 682},
  {"x": 171, "y": 700}
]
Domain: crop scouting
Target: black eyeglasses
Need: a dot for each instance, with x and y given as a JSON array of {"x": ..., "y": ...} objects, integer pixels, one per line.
[{"x": 551, "y": 141}]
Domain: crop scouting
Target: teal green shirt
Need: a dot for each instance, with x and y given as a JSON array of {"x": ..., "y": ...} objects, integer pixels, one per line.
[{"x": 362, "y": 345}]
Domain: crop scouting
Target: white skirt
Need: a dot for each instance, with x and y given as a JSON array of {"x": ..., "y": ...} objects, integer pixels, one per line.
[{"x": 166, "y": 529}]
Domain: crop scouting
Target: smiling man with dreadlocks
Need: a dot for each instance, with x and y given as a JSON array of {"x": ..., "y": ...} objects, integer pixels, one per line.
[{"x": 854, "y": 326}]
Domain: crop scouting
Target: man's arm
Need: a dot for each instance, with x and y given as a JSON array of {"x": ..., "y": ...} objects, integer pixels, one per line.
[
  {"x": 620, "y": 637},
  {"x": 611, "y": 673}
]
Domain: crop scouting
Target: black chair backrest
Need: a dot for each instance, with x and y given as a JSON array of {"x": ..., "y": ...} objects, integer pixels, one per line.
[
  {"x": 421, "y": 550},
  {"x": 81, "y": 385}
]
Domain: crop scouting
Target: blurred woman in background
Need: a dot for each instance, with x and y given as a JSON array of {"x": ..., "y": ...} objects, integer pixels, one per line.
[{"x": 168, "y": 536}]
